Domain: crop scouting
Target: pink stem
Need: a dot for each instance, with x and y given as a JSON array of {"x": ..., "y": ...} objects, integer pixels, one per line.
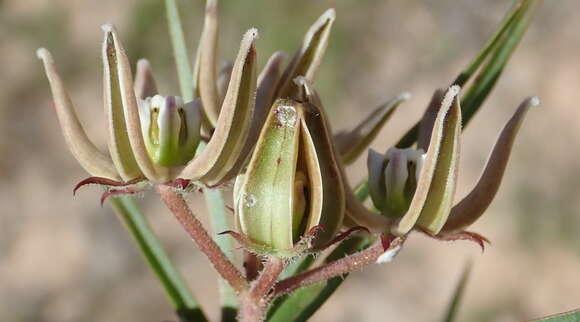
[
  {"x": 194, "y": 228},
  {"x": 253, "y": 304},
  {"x": 339, "y": 267}
]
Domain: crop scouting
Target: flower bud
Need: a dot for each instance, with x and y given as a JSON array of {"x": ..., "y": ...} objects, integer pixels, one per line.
[
  {"x": 170, "y": 129},
  {"x": 287, "y": 190},
  {"x": 393, "y": 179}
]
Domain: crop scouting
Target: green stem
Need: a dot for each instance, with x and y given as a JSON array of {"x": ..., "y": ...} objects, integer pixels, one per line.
[
  {"x": 216, "y": 205},
  {"x": 184, "y": 70},
  {"x": 175, "y": 287},
  {"x": 304, "y": 302},
  {"x": 214, "y": 199},
  {"x": 451, "y": 314}
]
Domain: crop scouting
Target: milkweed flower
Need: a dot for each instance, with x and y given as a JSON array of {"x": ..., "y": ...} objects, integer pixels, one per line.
[{"x": 415, "y": 188}]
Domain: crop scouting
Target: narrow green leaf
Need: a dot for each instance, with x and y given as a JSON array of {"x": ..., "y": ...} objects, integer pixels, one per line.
[
  {"x": 173, "y": 283},
  {"x": 214, "y": 198},
  {"x": 490, "y": 73},
  {"x": 497, "y": 52},
  {"x": 451, "y": 314},
  {"x": 219, "y": 219},
  {"x": 492, "y": 43},
  {"x": 303, "y": 303},
  {"x": 571, "y": 316},
  {"x": 184, "y": 71}
]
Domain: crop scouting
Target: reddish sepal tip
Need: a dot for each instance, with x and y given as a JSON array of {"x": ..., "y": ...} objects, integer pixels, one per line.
[
  {"x": 462, "y": 235},
  {"x": 105, "y": 182}
]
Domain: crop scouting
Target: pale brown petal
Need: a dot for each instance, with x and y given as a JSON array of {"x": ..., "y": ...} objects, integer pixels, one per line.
[
  {"x": 442, "y": 190},
  {"x": 351, "y": 144},
  {"x": 226, "y": 143},
  {"x": 353, "y": 208},
  {"x": 309, "y": 57},
  {"x": 316, "y": 187},
  {"x": 267, "y": 82},
  {"x": 223, "y": 80},
  {"x": 264, "y": 98},
  {"x": 208, "y": 62},
  {"x": 428, "y": 170},
  {"x": 428, "y": 119},
  {"x": 145, "y": 85},
  {"x": 468, "y": 210},
  {"x": 131, "y": 111},
  {"x": 95, "y": 162},
  {"x": 119, "y": 145}
]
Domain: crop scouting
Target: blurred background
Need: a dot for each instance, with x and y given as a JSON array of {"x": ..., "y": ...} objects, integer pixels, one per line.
[{"x": 67, "y": 259}]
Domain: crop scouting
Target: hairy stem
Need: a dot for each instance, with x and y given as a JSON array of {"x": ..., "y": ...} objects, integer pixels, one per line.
[
  {"x": 339, "y": 267},
  {"x": 255, "y": 301},
  {"x": 206, "y": 244}
]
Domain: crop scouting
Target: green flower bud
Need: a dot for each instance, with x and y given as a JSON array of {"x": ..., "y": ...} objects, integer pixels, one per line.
[
  {"x": 393, "y": 179},
  {"x": 170, "y": 129},
  {"x": 285, "y": 192}
]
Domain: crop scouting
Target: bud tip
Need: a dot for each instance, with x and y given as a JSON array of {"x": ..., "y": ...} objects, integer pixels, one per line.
[
  {"x": 42, "y": 53},
  {"x": 251, "y": 34},
  {"x": 388, "y": 255},
  {"x": 329, "y": 14},
  {"x": 300, "y": 80},
  {"x": 405, "y": 96},
  {"x": 454, "y": 90},
  {"x": 107, "y": 28},
  {"x": 534, "y": 101}
]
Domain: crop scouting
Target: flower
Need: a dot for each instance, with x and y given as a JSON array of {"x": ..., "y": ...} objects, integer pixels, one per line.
[
  {"x": 416, "y": 187},
  {"x": 154, "y": 137}
]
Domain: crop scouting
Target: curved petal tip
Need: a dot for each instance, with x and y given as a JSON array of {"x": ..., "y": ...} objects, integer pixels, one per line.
[
  {"x": 108, "y": 27},
  {"x": 42, "y": 53}
]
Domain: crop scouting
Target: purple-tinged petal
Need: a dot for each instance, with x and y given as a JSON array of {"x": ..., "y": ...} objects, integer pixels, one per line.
[
  {"x": 435, "y": 186},
  {"x": 468, "y": 210},
  {"x": 223, "y": 80},
  {"x": 264, "y": 98},
  {"x": 227, "y": 142},
  {"x": 428, "y": 120},
  {"x": 208, "y": 63},
  {"x": 124, "y": 81},
  {"x": 87, "y": 154},
  {"x": 145, "y": 85},
  {"x": 309, "y": 57},
  {"x": 351, "y": 144}
]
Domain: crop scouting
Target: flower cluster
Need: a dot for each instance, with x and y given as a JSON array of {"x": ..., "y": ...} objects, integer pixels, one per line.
[{"x": 269, "y": 134}]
